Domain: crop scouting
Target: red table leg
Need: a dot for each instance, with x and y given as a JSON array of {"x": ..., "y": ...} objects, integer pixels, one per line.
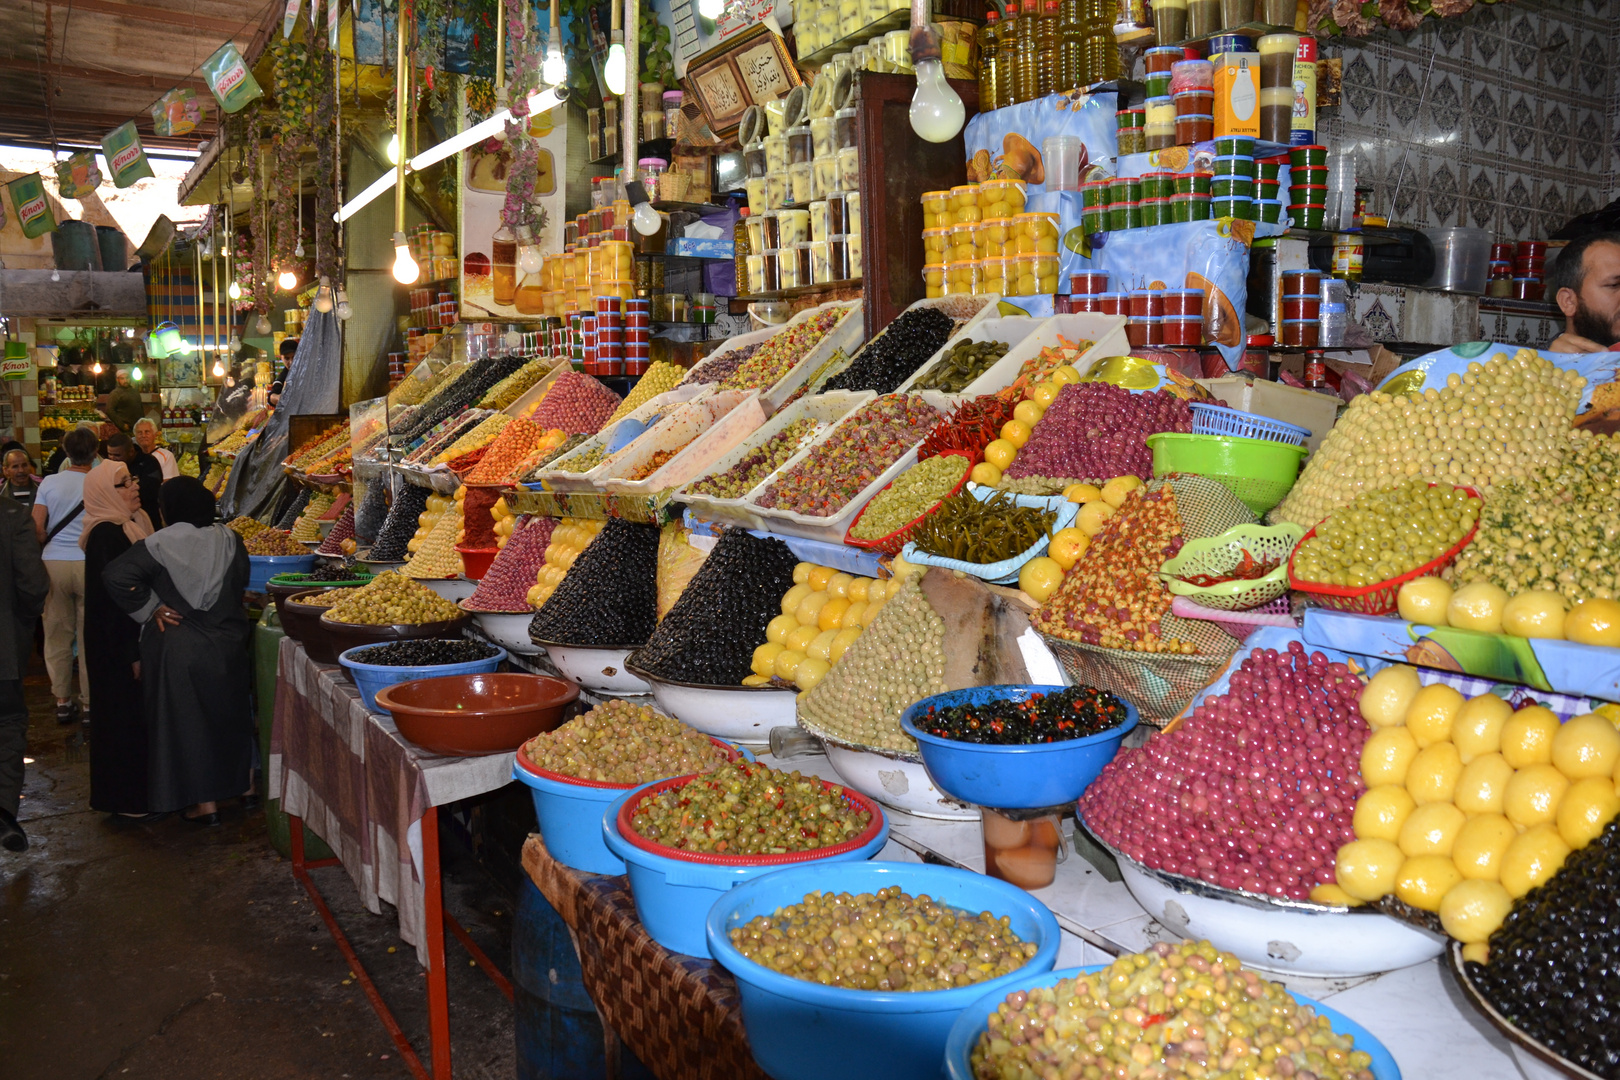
[{"x": 438, "y": 993}]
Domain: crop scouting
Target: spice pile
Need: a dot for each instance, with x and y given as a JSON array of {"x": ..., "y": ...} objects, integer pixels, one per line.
[
  {"x": 624, "y": 744},
  {"x": 505, "y": 585},
  {"x": 853, "y": 455},
  {"x": 610, "y": 596},
  {"x": 743, "y": 808}
]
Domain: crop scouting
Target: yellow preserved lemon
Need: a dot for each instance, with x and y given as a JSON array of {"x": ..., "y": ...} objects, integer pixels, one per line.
[
  {"x": 1472, "y": 910},
  {"x": 841, "y": 642},
  {"x": 1366, "y": 869},
  {"x": 1388, "y": 694},
  {"x": 1386, "y": 756},
  {"x": 831, "y": 616},
  {"x": 1527, "y": 736},
  {"x": 801, "y": 572},
  {"x": 1040, "y": 578},
  {"x": 1477, "y": 728},
  {"x": 1433, "y": 774},
  {"x": 1480, "y": 845},
  {"x": 764, "y": 661},
  {"x": 1067, "y": 546},
  {"x": 1000, "y": 453},
  {"x": 801, "y": 638},
  {"x": 1587, "y": 807},
  {"x": 1482, "y": 787},
  {"x": 1478, "y": 607},
  {"x": 1381, "y": 811},
  {"x": 809, "y": 609},
  {"x": 852, "y": 614},
  {"x": 857, "y": 589},
  {"x": 787, "y": 664},
  {"x": 819, "y": 576},
  {"x": 838, "y": 585},
  {"x": 1532, "y": 795},
  {"x": 1332, "y": 894},
  {"x": 1431, "y": 712},
  {"x": 791, "y": 598},
  {"x": 1016, "y": 432},
  {"x": 1586, "y": 746},
  {"x": 1424, "y": 881},
  {"x": 1093, "y": 517},
  {"x": 1080, "y": 493},
  {"x": 1538, "y": 613},
  {"x": 821, "y": 647},
  {"x": 1423, "y": 600},
  {"x": 1534, "y": 856},
  {"x": 1431, "y": 829},
  {"x": 1029, "y": 413},
  {"x": 985, "y": 474},
  {"x": 1594, "y": 622},
  {"x": 780, "y": 627},
  {"x": 809, "y": 672},
  {"x": 1115, "y": 491}
]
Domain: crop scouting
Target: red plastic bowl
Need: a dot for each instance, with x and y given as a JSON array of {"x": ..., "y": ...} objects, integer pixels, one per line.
[
  {"x": 463, "y": 715},
  {"x": 475, "y": 561},
  {"x": 895, "y": 541}
]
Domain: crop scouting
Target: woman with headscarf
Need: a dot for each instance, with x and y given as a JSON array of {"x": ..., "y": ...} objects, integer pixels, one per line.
[
  {"x": 113, "y": 523},
  {"x": 184, "y": 585}
]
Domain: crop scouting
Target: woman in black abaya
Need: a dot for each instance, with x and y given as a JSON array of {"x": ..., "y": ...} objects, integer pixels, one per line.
[{"x": 184, "y": 584}]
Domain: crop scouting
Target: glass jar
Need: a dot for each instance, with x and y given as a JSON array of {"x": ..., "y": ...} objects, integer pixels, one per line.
[
  {"x": 1023, "y": 846},
  {"x": 799, "y": 144},
  {"x": 770, "y": 277},
  {"x": 933, "y": 279},
  {"x": 672, "y": 112},
  {"x": 823, "y": 142},
  {"x": 800, "y": 185},
  {"x": 850, "y": 17},
  {"x": 962, "y": 242},
  {"x": 844, "y": 128},
  {"x": 617, "y": 259},
  {"x": 936, "y": 207},
  {"x": 1035, "y": 233},
  {"x": 849, "y": 168},
  {"x": 993, "y": 275},
  {"x": 652, "y": 171},
  {"x": 962, "y": 277}
]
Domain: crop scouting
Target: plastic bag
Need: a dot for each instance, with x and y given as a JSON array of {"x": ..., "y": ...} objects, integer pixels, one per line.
[
  {"x": 126, "y": 158},
  {"x": 229, "y": 78},
  {"x": 678, "y": 564},
  {"x": 78, "y": 176},
  {"x": 34, "y": 212},
  {"x": 176, "y": 113}
]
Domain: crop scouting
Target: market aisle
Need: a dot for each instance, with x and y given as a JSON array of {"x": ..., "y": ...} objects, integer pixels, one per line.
[{"x": 175, "y": 952}]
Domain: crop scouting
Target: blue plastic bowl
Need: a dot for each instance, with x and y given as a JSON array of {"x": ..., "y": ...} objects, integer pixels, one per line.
[
  {"x": 803, "y": 1030},
  {"x": 1012, "y": 777},
  {"x": 673, "y": 896},
  {"x": 261, "y": 568},
  {"x": 370, "y": 678},
  {"x": 569, "y": 813},
  {"x": 974, "y": 1020}
]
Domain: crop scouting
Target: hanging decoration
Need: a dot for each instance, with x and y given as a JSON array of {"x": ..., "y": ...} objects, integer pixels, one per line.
[
  {"x": 126, "y": 158},
  {"x": 34, "y": 212},
  {"x": 524, "y": 171},
  {"x": 78, "y": 176},
  {"x": 176, "y": 113},
  {"x": 229, "y": 78}
]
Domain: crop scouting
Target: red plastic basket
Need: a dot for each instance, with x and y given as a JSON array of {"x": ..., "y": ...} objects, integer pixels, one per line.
[
  {"x": 787, "y": 858},
  {"x": 891, "y": 544},
  {"x": 1380, "y": 598},
  {"x": 732, "y": 754}
]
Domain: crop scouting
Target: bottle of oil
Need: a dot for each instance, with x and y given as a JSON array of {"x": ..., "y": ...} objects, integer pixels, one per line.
[
  {"x": 1071, "y": 45},
  {"x": 1026, "y": 84},
  {"x": 1046, "y": 50},
  {"x": 1007, "y": 57},
  {"x": 989, "y": 60},
  {"x": 1101, "y": 52}
]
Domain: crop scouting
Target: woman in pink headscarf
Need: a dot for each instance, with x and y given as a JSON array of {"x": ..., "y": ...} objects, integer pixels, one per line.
[{"x": 113, "y": 523}]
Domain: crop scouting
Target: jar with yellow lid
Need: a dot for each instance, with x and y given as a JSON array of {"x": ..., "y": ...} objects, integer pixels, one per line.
[
  {"x": 1041, "y": 269},
  {"x": 934, "y": 279},
  {"x": 965, "y": 203},
  {"x": 1001, "y": 198},
  {"x": 963, "y": 242},
  {"x": 936, "y": 209},
  {"x": 1035, "y": 233},
  {"x": 935, "y": 242},
  {"x": 996, "y": 236},
  {"x": 993, "y": 275},
  {"x": 962, "y": 277}
]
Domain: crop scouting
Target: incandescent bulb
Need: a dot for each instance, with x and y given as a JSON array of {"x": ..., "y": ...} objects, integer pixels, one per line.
[
  {"x": 529, "y": 260},
  {"x": 288, "y": 280},
  {"x": 554, "y": 71},
  {"x": 298, "y": 249},
  {"x": 261, "y": 326},
  {"x": 219, "y": 368},
  {"x": 936, "y": 109},
  {"x": 613, "y": 70},
  {"x": 234, "y": 291},
  {"x": 392, "y": 149},
  {"x": 405, "y": 268},
  {"x": 344, "y": 309},
  {"x": 135, "y": 374},
  {"x": 646, "y": 220},
  {"x": 129, "y": 331},
  {"x": 56, "y": 275},
  {"x": 711, "y": 9},
  {"x": 323, "y": 301},
  {"x": 95, "y": 368}
]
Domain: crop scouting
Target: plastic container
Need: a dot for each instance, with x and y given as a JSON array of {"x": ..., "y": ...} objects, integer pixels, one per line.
[
  {"x": 801, "y": 1030},
  {"x": 1257, "y": 471},
  {"x": 1105, "y": 332},
  {"x": 712, "y": 425},
  {"x": 261, "y": 568},
  {"x": 1220, "y": 420},
  {"x": 1217, "y": 555},
  {"x": 1062, "y": 154},
  {"x": 1004, "y": 572},
  {"x": 1012, "y": 777},
  {"x": 674, "y": 890},
  {"x": 370, "y": 678},
  {"x": 893, "y": 542}
]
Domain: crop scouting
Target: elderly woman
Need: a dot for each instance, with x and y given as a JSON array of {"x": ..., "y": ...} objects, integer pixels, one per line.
[
  {"x": 184, "y": 584},
  {"x": 113, "y": 523}
]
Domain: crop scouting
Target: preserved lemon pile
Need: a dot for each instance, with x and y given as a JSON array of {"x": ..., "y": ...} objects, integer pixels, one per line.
[
  {"x": 1498, "y": 422},
  {"x": 1470, "y": 804},
  {"x": 822, "y": 615},
  {"x": 1383, "y": 534},
  {"x": 568, "y": 540},
  {"x": 391, "y": 600},
  {"x": 437, "y": 506}
]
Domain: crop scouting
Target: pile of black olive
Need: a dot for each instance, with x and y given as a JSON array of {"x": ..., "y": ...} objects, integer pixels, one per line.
[
  {"x": 401, "y": 525},
  {"x": 1554, "y": 967},
  {"x": 468, "y": 388},
  {"x": 294, "y": 508},
  {"x": 889, "y": 359},
  {"x": 609, "y": 598},
  {"x": 709, "y": 636},
  {"x": 373, "y": 510},
  {"x": 425, "y": 653},
  {"x": 1071, "y": 713}
]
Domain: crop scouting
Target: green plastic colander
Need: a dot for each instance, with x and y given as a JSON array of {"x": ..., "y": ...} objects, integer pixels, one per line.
[
  {"x": 1221, "y": 555},
  {"x": 1257, "y": 471}
]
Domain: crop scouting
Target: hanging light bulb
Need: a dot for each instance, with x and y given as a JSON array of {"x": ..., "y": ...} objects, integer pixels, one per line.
[
  {"x": 528, "y": 260},
  {"x": 554, "y": 70},
  {"x": 343, "y": 308},
  {"x": 392, "y": 149},
  {"x": 323, "y": 296},
  {"x": 288, "y": 280},
  {"x": 129, "y": 331},
  {"x": 711, "y": 9},
  {"x": 936, "y": 109},
  {"x": 405, "y": 268},
  {"x": 645, "y": 220},
  {"x": 135, "y": 373},
  {"x": 298, "y": 249},
  {"x": 613, "y": 69},
  {"x": 234, "y": 291},
  {"x": 262, "y": 326},
  {"x": 95, "y": 368},
  {"x": 56, "y": 275},
  {"x": 219, "y": 368}
]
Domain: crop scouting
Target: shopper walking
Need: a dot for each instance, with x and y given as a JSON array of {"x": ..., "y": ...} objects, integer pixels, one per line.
[
  {"x": 184, "y": 584},
  {"x": 20, "y": 482},
  {"x": 113, "y": 523},
  {"x": 58, "y": 523},
  {"x": 143, "y": 466},
  {"x": 146, "y": 437},
  {"x": 23, "y": 587},
  {"x": 124, "y": 405}
]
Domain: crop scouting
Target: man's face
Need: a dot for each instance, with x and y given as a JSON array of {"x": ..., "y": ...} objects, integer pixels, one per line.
[
  {"x": 120, "y": 453},
  {"x": 146, "y": 436},
  {"x": 1594, "y": 312},
  {"x": 123, "y": 378},
  {"x": 16, "y": 468}
]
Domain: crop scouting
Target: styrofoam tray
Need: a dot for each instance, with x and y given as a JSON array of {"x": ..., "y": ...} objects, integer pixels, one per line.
[
  {"x": 1006, "y": 571},
  {"x": 662, "y": 405},
  {"x": 1010, "y": 329},
  {"x": 833, "y": 527},
  {"x": 847, "y": 336},
  {"x": 1106, "y": 332},
  {"x": 728, "y": 415},
  {"x": 826, "y": 408}
]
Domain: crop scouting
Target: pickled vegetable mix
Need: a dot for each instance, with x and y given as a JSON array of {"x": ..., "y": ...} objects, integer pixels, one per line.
[
  {"x": 749, "y": 809},
  {"x": 1072, "y": 713}
]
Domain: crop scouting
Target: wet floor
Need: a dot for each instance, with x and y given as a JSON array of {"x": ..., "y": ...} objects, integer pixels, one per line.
[{"x": 175, "y": 952}]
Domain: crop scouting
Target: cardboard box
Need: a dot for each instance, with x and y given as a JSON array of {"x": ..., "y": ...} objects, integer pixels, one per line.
[
  {"x": 1237, "y": 95},
  {"x": 701, "y": 249},
  {"x": 1289, "y": 404}
]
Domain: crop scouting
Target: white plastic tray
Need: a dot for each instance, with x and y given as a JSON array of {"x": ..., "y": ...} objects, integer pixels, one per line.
[
  {"x": 825, "y": 408},
  {"x": 719, "y": 421},
  {"x": 1010, "y": 329},
  {"x": 847, "y": 336},
  {"x": 532, "y": 395},
  {"x": 831, "y": 529},
  {"x": 1107, "y": 332},
  {"x": 558, "y": 480},
  {"x": 986, "y": 305}
]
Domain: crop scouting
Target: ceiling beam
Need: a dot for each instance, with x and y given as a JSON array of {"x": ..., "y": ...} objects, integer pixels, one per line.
[
  {"x": 143, "y": 13},
  {"x": 107, "y": 78}
]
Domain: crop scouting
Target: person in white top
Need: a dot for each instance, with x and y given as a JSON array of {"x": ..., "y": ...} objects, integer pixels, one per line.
[{"x": 146, "y": 437}]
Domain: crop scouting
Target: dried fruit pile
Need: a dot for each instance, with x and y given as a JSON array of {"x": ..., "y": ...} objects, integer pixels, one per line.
[{"x": 778, "y": 355}]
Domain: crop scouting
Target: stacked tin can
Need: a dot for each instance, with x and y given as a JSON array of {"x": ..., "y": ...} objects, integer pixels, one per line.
[{"x": 637, "y": 335}]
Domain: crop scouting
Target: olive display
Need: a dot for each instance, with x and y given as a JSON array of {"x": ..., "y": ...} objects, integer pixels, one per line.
[
  {"x": 472, "y": 385},
  {"x": 294, "y": 508},
  {"x": 1157, "y": 1011},
  {"x": 724, "y": 367},
  {"x": 913, "y": 493},
  {"x": 1554, "y": 967},
  {"x": 744, "y": 808},
  {"x": 1383, "y": 534},
  {"x": 582, "y": 462},
  {"x": 961, "y": 364},
  {"x": 425, "y": 653},
  {"x": 887, "y": 940},
  {"x": 392, "y": 600},
  {"x": 267, "y": 541},
  {"x": 441, "y": 436},
  {"x": 373, "y": 511},
  {"x": 970, "y": 529},
  {"x": 889, "y": 359},
  {"x": 401, "y": 524},
  {"x": 610, "y": 596},
  {"x": 345, "y": 572},
  {"x": 760, "y": 462},
  {"x": 1071, "y": 713},
  {"x": 544, "y": 461},
  {"x": 621, "y": 743},
  {"x": 709, "y": 636}
]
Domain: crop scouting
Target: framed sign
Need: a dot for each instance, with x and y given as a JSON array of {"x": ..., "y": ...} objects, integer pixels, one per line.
[{"x": 752, "y": 68}]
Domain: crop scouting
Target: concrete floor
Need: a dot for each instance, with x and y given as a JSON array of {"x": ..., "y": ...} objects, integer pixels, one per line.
[{"x": 176, "y": 952}]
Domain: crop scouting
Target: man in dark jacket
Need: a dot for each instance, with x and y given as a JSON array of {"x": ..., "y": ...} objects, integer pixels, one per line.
[
  {"x": 23, "y": 586},
  {"x": 145, "y": 468},
  {"x": 124, "y": 403}
]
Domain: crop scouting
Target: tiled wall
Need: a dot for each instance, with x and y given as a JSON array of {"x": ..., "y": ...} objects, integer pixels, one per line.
[{"x": 1517, "y": 131}]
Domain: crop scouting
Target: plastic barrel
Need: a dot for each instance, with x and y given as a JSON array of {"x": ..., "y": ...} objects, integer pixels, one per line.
[
  {"x": 267, "y": 635},
  {"x": 114, "y": 248},
  {"x": 74, "y": 247}
]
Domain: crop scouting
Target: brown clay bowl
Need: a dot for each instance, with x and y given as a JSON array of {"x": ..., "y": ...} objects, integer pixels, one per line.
[
  {"x": 279, "y": 593},
  {"x": 461, "y": 715},
  {"x": 351, "y": 635},
  {"x": 303, "y": 623}
]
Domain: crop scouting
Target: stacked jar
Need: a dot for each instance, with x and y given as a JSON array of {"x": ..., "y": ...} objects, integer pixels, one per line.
[
  {"x": 1232, "y": 185},
  {"x": 1144, "y": 317},
  {"x": 1130, "y": 129},
  {"x": 1501, "y": 280},
  {"x": 1035, "y": 249},
  {"x": 1529, "y": 263},
  {"x": 1307, "y": 186},
  {"x": 637, "y": 335},
  {"x": 1268, "y": 204},
  {"x": 587, "y": 336},
  {"x": 1301, "y": 314},
  {"x": 609, "y": 336},
  {"x": 1277, "y": 52},
  {"x": 1192, "y": 89},
  {"x": 1183, "y": 325},
  {"x": 1086, "y": 290}
]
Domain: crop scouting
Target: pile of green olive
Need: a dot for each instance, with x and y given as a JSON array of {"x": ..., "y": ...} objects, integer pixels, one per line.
[
  {"x": 1383, "y": 534},
  {"x": 913, "y": 493}
]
